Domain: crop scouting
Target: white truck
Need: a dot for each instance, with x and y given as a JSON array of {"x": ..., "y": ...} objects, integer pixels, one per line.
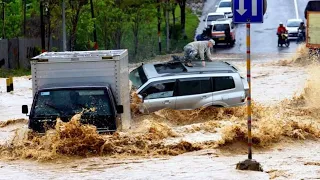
[{"x": 93, "y": 83}]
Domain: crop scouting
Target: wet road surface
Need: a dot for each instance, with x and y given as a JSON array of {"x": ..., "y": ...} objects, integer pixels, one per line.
[{"x": 263, "y": 36}]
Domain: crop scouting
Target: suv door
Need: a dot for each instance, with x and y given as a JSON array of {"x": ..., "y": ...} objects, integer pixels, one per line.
[
  {"x": 194, "y": 93},
  {"x": 159, "y": 95},
  {"x": 225, "y": 92}
]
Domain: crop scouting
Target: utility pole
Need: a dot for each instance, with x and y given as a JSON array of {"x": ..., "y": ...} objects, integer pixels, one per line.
[
  {"x": 94, "y": 28},
  {"x": 3, "y": 20},
  {"x": 64, "y": 32},
  {"x": 43, "y": 43},
  {"x": 24, "y": 17}
]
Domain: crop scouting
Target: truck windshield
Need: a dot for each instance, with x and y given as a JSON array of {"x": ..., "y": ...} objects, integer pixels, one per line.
[
  {"x": 68, "y": 102},
  {"x": 225, "y": 4},
  {"x": 138, "y": 77},
  {"x": 294, "y": 23}
]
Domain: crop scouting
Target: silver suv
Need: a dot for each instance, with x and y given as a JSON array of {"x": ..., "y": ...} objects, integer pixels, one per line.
[{"x": 176, "y": 86}]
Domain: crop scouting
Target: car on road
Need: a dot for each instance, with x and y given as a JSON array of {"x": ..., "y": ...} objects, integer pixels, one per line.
[
  {"x": 176, "y": 86},
  {"x": 292, "y": 26},
  {"x": 225, "y": 6},
  {"x": 218, "y": 31},
  {"x": 213, "y": 17}
]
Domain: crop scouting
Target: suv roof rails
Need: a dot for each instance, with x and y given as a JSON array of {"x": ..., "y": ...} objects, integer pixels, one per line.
[{"x": 197, "y": 72}]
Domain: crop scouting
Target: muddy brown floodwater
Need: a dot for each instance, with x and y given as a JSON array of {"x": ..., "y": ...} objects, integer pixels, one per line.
[{"x": 286, "y": 125}]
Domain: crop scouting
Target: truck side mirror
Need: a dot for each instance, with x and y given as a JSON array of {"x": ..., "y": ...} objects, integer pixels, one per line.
[
  {"x": 119, "y": 109},
  {"x": 25, "y": 109}
]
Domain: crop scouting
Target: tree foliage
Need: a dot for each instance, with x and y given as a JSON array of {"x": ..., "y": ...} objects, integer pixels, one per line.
[{"x": 130, "y": 24}]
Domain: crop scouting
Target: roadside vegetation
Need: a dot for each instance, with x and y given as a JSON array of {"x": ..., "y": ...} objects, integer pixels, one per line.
[
  {"x": 129, "y": 24},
  {"x": 5, "y": 73}
]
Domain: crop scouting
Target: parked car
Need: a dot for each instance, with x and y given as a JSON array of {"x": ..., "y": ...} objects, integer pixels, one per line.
[
  {"x": 292, "y": 26},
  {"x": 225, "y": 6},
  {"x": 213, "y": 17},
  {"x": 176, "y": 86},
  {"x": 218, "y": 32}
]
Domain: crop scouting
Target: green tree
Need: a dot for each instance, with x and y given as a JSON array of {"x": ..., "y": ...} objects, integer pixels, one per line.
[
  {"x": 73, "y": 15},
  {"x": 182, "y": 4},
  {"x": 140, "y": 12},
  {"x": 13, "y": 18}
]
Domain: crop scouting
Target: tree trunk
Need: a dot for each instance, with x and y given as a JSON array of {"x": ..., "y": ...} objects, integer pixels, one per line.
[
  {"x": 167, "y": 24},
  {"x": 136, "y": 43},
  {"x": 182, "y": 5},
  {"x": 74, "y": 30},
  {"x": 159, "y": 25},
  {"x": 119, "y": 30},
  {"x": 73, "y": 37},
  {"x": 49, "y": 29},
  {"x": 174, "y": 14}
]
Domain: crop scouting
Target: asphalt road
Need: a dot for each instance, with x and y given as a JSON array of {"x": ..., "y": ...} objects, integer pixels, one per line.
[{"x": 263, "y": 36}]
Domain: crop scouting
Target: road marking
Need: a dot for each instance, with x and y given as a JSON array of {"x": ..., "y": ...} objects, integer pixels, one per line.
[
  {"x": 241, "y": 9},
  {"x": 296, "y": 8},
  {"x": 254, "y": 8}
]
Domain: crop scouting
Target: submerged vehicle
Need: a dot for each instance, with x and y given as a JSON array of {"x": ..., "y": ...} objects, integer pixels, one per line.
[
  {"x": 91, "y": 83},
  {"x": 176, "y": 86}
]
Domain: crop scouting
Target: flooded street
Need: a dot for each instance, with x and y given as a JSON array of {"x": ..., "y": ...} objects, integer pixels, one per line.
[
  {"x": 286, "y": 161},
  {"x": 168, "y": 144}
]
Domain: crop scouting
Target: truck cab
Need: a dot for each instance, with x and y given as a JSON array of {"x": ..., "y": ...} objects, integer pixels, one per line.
[{"x": 91, "y": 84}]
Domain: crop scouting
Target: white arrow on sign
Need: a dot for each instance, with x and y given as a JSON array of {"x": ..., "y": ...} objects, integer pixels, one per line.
[
  {"x": 254, "y": 8},
  {"x": 241, "y": 9}
]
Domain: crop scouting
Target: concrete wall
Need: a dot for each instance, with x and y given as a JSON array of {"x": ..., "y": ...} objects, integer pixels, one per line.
[
  {"x": 17, "y": 52},
  {"x": 28, "y": 48},
  {"x": 4, "y": 52}
]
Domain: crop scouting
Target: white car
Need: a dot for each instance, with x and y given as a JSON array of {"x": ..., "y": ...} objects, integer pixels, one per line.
[
  {"x": 213, "y": 17},
  {"x": 292, "y": 26},
  {"x": 225, "y": 6}
]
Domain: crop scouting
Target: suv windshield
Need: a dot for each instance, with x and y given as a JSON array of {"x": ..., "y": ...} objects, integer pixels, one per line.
[
  {"x": 293, "y": 24},
  {"x": 220, "y": 27},
  {"x": 68, "y": 102},
  {"x": 138, "y": 77},
  {"x": 215, "y": 17},
  {"x": 225, "y": 4}
]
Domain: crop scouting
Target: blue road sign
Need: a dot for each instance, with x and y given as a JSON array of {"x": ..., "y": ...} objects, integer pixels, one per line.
[{"x": 247, "y": 11}]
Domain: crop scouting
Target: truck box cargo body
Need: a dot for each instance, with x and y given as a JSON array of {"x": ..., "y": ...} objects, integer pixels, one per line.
[
  {"x": 85, "y": 72},
  {"x": 312, "y": 15},
  {"x": 313, "y": 29}
]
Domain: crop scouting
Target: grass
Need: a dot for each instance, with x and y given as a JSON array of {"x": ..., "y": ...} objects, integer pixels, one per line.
[{"x": 5, "y": 73}]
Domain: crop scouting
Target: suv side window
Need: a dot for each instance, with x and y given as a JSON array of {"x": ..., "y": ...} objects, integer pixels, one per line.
[
  {"x": 194, "y": 86},
  {"x": 223, "y": 83},
  {"x": 159, "y": 90}
]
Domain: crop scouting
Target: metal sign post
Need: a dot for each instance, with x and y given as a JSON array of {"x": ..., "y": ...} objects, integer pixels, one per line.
[
  {"x": 249, "y": 94},
  {"x": 247, "y": 12}
]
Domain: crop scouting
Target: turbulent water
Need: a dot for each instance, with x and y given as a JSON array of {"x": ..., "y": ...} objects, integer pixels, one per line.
[{"x": 162, "y": 133}]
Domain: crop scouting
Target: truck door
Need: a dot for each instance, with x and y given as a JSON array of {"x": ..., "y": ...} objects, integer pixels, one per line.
[{"x": 159, "y": 95}]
